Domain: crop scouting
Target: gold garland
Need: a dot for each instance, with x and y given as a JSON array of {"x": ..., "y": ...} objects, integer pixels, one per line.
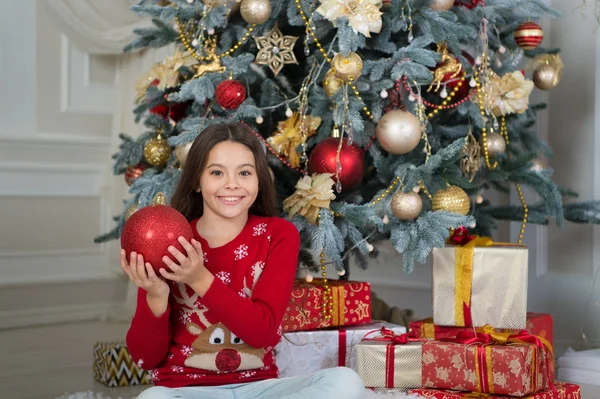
[{"x": 183, "y": 33}]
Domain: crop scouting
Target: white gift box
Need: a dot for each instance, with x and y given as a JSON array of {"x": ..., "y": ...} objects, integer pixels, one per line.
[
  {"x": 305, "y": 352},
  {"x": 497, "y": 287},
  {"x": 581, "y": 367}
]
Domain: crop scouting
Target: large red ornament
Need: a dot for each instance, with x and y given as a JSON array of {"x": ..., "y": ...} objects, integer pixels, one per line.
[
  {"x": 151, "y": 230},
  {"x": 528, "y": 35},
  {"x": 323, "y": 160},
  {"x": 230, "y": 94}
]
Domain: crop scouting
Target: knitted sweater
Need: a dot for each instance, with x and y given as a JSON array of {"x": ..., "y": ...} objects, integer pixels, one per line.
[{"x": 227, "y": 336}]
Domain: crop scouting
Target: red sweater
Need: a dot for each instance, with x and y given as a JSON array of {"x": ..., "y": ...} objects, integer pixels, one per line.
[{"x": 227, "y": 336}]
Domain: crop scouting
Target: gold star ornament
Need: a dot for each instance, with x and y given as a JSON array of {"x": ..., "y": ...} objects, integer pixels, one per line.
[{"x": 275, "y": 50}]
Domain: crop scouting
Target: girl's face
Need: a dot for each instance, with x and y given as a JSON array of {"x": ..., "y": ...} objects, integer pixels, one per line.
[{"x": 229, "y": 182}]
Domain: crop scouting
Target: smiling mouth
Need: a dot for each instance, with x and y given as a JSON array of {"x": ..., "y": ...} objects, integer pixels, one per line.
[{"x": 230, "y": 200}]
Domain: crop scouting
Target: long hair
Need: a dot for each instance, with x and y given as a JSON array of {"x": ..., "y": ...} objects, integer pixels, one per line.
[{"x": 189, "y": 202}]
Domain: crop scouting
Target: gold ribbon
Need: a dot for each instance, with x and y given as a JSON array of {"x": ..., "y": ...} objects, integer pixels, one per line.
[
  {"x": 338, "y": 298},
  {"x": 463, "y": 276}
]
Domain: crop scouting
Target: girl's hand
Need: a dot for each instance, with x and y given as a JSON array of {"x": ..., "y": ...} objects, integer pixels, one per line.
[
  {"x": 143, "y": 275},
  {"x": 191, "y": 269}
]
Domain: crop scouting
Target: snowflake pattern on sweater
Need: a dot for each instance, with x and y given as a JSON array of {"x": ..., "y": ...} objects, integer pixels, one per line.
[{"x": 228, "y": 335}]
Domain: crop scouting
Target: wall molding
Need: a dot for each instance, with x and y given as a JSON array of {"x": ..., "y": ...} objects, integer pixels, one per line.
[{"x": 55, "y": 315}]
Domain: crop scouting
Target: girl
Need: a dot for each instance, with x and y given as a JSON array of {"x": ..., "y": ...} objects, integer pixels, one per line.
[{"x": 208, "y": 324}]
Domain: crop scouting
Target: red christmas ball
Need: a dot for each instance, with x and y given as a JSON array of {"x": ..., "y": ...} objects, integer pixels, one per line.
[
  {"x": 352, "y": 158},
  {"x": 470, "y": 4},
  {"x": 528, "y": 35},
  {"x": 175, "y": 111},
  {"x": 230, "y": 94},
  {"x": 134, "y": 172},
  {"x": 151, "y": 230}
]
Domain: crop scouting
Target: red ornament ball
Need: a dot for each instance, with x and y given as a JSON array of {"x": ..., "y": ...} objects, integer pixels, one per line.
[
  {"x": 352, "y": 158},
  {"x": 151, "y": 230},
  {"x": 528, "y": 35},
  {"x": 175, "y": 111},
  {"x": 230, "y": 94},
  {"x": 470, "y": 4},
  {"x": 134, "y": 172}
]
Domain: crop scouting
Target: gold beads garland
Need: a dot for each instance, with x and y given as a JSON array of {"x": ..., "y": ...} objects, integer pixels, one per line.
[
  {"x": 483, "y": 129},
  {"x": 327, "y": 308},
  {"x": 184, "y": 39},
  {"x": 504, "y": 133}
]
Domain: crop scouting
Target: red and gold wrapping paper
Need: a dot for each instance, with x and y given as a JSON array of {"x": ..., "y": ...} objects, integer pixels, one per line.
[
  {"x": 350, "y": 305},
  {"x": 513, "y": 368},
  {"x": 561, "y": 391},
  {"x": 539, "y": 324},
  {"x": 480, "y": 283}
]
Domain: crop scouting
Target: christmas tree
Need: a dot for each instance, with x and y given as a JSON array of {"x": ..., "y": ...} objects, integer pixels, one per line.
[{"x": 382, "y": 120}]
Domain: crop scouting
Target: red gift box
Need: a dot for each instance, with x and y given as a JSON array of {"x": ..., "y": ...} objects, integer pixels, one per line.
[
  {"x": 350, "y": 304},
  {"x": 561, "y": 391},
  {"x": 491, "y": 362},
  {"x": 539, "y": 324}
]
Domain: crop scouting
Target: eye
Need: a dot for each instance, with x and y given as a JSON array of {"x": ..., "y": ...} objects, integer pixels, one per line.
[
  {"x": 245, "y": 173},
  {"x": 216, "y": 173},
  {"x": 235, "y": 339},
  {"x": 217, "y": 337}
]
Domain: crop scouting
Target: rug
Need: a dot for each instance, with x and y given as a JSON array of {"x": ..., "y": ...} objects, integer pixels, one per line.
[{"x": 368, "y": 395}]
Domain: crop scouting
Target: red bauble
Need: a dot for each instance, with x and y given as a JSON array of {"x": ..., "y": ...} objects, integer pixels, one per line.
[
  {"x": 470, "y": 4},
  {"x": 134, "y": 172},
  {"x": 151, "y": 230},
  {"x": 230, "y": 94},
  {"x": 528, "y": 35},
  {"x": 323, "y": 160},
  {"x": 176, "y": 112}
]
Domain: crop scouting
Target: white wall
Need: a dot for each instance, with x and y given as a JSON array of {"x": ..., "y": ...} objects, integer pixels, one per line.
[{"x": 55, "y": 144}]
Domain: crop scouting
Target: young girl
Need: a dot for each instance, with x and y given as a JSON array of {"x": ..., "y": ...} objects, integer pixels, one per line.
[{"x": 208, "y": 323}]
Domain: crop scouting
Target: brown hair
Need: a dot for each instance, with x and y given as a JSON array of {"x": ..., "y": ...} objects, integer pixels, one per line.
[{"x": 189, "y": 202}]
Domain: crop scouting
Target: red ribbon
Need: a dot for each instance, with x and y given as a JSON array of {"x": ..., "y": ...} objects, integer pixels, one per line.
[
  {"x": 341, "y": 348},
  {"x": 461, "y": 236}
]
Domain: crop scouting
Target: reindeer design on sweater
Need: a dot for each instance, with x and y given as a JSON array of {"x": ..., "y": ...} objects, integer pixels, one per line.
[{"x": 217, "y": 348}]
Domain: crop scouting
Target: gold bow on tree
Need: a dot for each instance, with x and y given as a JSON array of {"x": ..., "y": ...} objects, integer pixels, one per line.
[
  {"x": 313, "y": 193},
  {"x": 291, "y": 133}
]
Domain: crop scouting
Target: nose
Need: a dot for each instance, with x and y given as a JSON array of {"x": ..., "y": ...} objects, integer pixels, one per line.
[{"x": 232, "y": 184}]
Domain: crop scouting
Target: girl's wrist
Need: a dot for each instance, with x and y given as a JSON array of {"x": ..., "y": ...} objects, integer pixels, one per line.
[{"x": 202, "y": 285}]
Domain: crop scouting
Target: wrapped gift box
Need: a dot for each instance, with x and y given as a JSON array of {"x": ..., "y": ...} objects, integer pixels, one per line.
[
  {"x": 561, "y": 391},
  {"x": 539, "y": 324},
  {"x": 480, "y": 285},
  {"x": 515, "y": 369},
  {"x": 350, "y": 305},
  {"x": 581, "y": 367},
  {"x": 304, "y": 352},
  {"x": 114, "y": 367}
]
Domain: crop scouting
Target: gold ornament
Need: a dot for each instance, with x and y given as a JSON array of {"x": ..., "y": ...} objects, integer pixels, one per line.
[
  {"x": 210, "y": 48},
  {"x": 331, "y": 83},
  {"x": 471, "y": 159},
  {"x": 291, "y": 133},
  {"x": 312, "y": 194},
  {"x": 130, "y": 210},
  {"x": 157, "y": 151},
  {"x": 181, "y": 153},
  {"x": 496, "y": 144},
  {"x": 448, "y": 65},
  {"x": 546, "y": 77},
  {"x": 509, "y": 93},
  {"x": 451, "y": 199},
  {"x": 347, "y": 68},
  {"x": 255, "y": 11},
  {"x": 363, "y": 15},
  {"x": 275, "y": 50},
  {"x": 442, "y": 5},
  {"x": 398, "y": 132},
  {"x": 406, "y": 206}
]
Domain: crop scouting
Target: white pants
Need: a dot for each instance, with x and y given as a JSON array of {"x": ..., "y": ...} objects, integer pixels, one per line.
[{"x": 333, "y": 383}]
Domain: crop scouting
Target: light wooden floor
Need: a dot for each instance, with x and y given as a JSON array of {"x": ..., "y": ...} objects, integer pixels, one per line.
[{"x": 48, "y": 362}]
